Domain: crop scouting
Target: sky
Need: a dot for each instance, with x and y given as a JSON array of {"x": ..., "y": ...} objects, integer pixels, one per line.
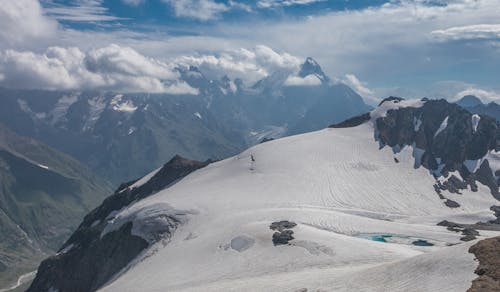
[{"x": 409, "y": 48}]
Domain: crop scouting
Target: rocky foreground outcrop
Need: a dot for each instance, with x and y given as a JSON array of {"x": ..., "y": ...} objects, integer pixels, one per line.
[
  {"x": 487, "y": 252},
  {"x": 103, "y": 245}
]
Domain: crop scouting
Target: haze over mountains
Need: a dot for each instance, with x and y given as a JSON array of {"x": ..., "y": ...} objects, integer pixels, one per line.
[{"x": 44, "y": 194}]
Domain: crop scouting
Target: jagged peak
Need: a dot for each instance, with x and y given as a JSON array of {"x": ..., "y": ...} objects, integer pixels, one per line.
[{"x": 310, "y": 66}]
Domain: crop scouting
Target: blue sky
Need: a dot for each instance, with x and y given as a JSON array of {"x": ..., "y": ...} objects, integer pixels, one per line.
[{"x": 437, "y": 48}]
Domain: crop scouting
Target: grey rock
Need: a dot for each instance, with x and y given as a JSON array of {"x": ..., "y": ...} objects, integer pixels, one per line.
[{"x": 282, "y": 238}]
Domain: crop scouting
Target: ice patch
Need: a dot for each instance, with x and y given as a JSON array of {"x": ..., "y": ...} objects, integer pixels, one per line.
[
  {"x": 443, "y": 126},
  {"x": 43, "y": 166},
  {"x": 150, "y": 222},
  {"x": 475, "y": 122},
  {"x": 242, "y": 243}
]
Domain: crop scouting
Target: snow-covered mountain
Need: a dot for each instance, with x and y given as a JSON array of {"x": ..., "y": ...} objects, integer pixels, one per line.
[
  {"x": 123, "y": 136},
  {"x": 390, "y": 200}
]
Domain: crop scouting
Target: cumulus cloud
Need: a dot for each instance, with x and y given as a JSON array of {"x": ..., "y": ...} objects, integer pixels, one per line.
[
  {"x": 113, "y": 67},
  {"x": 22, "y": 21},
  {"x": 309, "y": 80},
  {"x": 246, "y": 64},
  {"x": 357, "y": 85}
]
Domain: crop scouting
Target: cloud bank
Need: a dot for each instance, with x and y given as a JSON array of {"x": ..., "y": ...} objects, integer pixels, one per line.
[{"x": 113, "y": 68}]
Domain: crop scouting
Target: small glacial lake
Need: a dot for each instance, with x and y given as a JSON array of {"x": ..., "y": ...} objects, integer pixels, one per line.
[{"x": 395, "y": 238}]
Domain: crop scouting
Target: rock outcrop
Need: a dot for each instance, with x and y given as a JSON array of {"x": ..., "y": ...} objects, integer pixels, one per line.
[{"x": 95, "y": 252}]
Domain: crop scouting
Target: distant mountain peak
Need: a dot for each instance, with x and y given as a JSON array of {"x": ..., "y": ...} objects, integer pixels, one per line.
[
  {"x": 311, "y": 67},
  {"x": 469, "y": 101}
]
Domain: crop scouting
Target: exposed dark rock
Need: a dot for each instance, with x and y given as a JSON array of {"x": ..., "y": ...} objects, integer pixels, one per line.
[
  {"x": 352, "y": 122},
  {"x": 282, "y": 238},
  {"x": 468, "y": 230},
  {"x": 282, "y": 225},
  {"x": 453, "y": 184},
  {"x": 396, "y": 160},
  {"x": 469, "y": 234},
  {"x": 391, "y": 98},
  {"x": 451, "y": 203},
  {"x": 487, "y": 252},
  {"x": 284, "y": 234},
  {"x": 266, "y": 139},
  {"x": 421, "y": 242},
  {"x": 447, "y": 150},
  {"x": 86, "y": 261}
]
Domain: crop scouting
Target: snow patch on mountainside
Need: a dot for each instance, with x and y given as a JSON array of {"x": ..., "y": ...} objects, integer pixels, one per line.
[
  {"x": 475, "y": 122},
  {"x": 96, "y": 107},
  {"x": 61, "y": 107},
  {"x": 443, "y": 126},
  {"x": 334, "y": 184},
  {"x": 118, "y": 104},
  {"x": 145, "y": 179}
]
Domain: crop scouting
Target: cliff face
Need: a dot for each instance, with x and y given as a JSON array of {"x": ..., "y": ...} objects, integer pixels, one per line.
[
  {"x": 104, "y": 244},
  {"x": 445, "y": 139}
]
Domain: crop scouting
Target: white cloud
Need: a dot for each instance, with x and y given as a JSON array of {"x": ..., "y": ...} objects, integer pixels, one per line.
[
  {"x": 469, "y": 32},
  {"x": 279, "y": 3},
  {"x": 81, "y": 11},
  {"x": 484, "y": 95},
  {"x": 357, "y": 85},
  {"x": 22, "y": 21},
  {"x": 110, "y": 68},
  {"x": 309, "y": 80},
  {"x": 246, "y": 64},
  {"x": 198, "y": 9},
  {"x": 360, "y": 87}
]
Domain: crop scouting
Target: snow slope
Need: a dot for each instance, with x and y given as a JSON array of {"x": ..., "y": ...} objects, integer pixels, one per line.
[{"x": 335, "y": 184}]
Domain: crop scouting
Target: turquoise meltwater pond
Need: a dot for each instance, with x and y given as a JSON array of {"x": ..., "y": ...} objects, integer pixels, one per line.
[{"x": 395, "y": 238}]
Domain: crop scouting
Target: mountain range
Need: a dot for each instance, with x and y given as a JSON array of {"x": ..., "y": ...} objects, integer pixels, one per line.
[
  {"x": 410, "y": 186},
  {"x": 122, "y": 136},
  {"x": 474, "y": 105}
]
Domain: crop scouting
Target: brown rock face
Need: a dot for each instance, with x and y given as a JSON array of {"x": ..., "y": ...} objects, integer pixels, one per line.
[{"x": 487, "y": 251}]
